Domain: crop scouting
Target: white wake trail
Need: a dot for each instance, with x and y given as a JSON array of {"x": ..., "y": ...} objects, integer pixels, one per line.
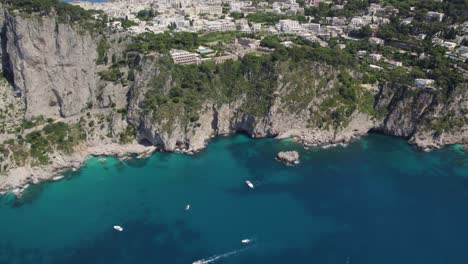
[{"x": 217, "y": 257}]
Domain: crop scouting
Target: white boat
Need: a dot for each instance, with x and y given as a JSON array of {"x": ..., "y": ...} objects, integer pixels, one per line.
[
  {"x": 246, "y": 241},
  {"x": 187, "y": 207},
  {"x": 57, "y": 178},
  {"x": 118, "y": 228},
  {"x": 201, "y": 261},
  {"x": 250, "y": 184}
]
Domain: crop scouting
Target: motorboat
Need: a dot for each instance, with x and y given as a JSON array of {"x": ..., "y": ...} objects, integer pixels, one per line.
[
  {"x": 57, "y": 178},
  {"x": 118, "y": 228},
  {"x": 250, "y": 184},
  {"x": 187, "y": 207},
  {"x": 201, "y": 261},
  {"x": 246, "y": 241}
]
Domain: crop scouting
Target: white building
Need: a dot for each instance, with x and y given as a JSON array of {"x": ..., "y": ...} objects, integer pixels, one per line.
[
  {"x": 312, "y": 27},
  {"x": 361, "y": 53},
  {"x": 375, "y": 56},
  {"x": 337, "y": 7},
  {"x": 395, "y": 63},
  {"x": 287, "y": 25},
  {"x": 435, "y": 16},
  {"x": 375, "y": 67},
  {"x": 449, "y": 45},
  {"x": 184, "y": 57},
  {"x": 424, "y": 83},
  {"x": 256, "y": 27},
  {"x": 375, "y": 8},
  {"x": 377, "y": 41},
  {"x": 463, "y": 52},
  {"x": 237, "y": 5},
  {"x": 315, "y": 3},
  {"x": 358, "y": 22},
  {"x": 338, "y": 21},
  {"x": 209, "y": 9},
  {"x": 250, "y": 43},
  {"x": 220, "y": 25}
]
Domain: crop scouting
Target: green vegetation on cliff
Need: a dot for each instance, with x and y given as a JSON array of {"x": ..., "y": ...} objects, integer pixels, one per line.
[
  {"x": 178, "y": 92},
  {"x": 102, "y": 51},
  {"x": 150, "y": 42},
  {"x": 64, "y": 12},
  {"x": 36, "y": 146}
]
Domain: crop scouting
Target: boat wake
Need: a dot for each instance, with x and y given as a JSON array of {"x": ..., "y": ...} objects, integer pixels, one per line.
[{"x": 220, "y": 256}]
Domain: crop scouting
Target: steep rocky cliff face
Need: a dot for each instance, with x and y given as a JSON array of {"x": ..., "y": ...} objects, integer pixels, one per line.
[
  {"x": 51, "y": 65},
  {"x": 304, "y": 106},
  {"x": 52, "y": 72},
  {"x": 428, "y": 118},
  {"x": 296, "y": 109},
  {"x": 53, "y": 69}
]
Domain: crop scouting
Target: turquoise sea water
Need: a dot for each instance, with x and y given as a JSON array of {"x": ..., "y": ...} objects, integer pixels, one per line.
[{"x": 376, "y": 201}]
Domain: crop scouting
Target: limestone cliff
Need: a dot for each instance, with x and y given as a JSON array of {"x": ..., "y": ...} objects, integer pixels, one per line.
[
  {"x": 428, "y": 118},
  {"x": 293, "y": 112},
  {"x": 301, "y": 108},
  {"x": 51, "y": 69},
  {"x": 51, "y": 65}
]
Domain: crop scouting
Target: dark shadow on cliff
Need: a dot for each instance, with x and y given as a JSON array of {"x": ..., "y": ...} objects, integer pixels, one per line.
[{"x": 7, "y": 72}]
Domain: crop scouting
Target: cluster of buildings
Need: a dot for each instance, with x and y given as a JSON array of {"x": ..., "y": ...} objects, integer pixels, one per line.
[
  {"x": 191, "y": 15},
  {"x": 213, "y": 15},
  {"x": 234, "y": 50},
  {"x": 218, "y": 16}
]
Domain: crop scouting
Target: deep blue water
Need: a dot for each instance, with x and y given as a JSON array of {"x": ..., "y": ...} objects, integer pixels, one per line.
[{"x": 376, "y": 201}]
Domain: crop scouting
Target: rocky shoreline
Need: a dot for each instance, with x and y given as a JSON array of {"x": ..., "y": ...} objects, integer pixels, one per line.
[{"x": 18, "y": 179}]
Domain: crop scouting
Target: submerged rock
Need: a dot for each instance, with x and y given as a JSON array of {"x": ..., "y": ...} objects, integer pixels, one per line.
[{"x": 288, "y": 157}]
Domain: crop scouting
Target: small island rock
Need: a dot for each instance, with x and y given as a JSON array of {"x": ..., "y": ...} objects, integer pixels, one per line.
[{"x": 288, "y": 157}]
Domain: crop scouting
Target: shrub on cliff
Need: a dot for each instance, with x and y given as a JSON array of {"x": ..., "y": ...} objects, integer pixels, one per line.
[{"x": 65, "y": 12}]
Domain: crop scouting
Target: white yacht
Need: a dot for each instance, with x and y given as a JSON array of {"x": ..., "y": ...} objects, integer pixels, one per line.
[
  {"x": 246, "y": 241},
  {"x": 250, "y": 184},
  {"x": 118, "y": 228}
]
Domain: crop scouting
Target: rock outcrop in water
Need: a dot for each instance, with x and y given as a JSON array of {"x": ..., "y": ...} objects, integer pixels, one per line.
[{"x": 288, "y": 157}]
